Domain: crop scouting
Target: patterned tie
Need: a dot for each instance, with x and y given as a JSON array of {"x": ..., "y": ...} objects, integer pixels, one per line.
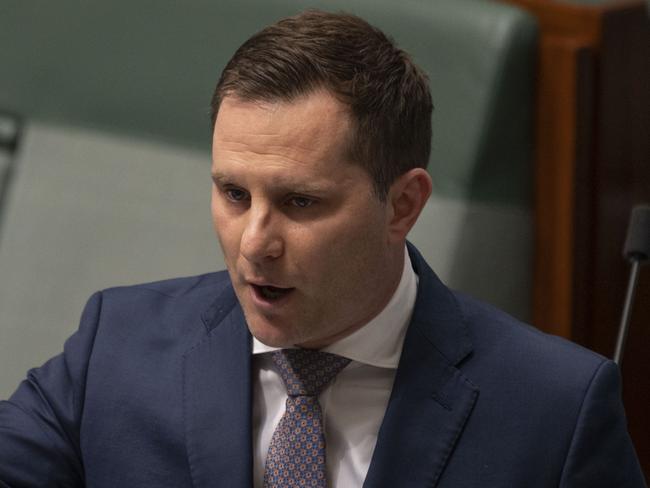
[{"x": 296, "y": 454}]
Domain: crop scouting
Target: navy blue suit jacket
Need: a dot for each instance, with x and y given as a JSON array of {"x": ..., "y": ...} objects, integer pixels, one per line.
[{"x": 154, "y": 390}]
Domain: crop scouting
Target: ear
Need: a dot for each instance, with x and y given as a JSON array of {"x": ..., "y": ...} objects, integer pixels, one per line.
[{"x": 406, "y": 197}]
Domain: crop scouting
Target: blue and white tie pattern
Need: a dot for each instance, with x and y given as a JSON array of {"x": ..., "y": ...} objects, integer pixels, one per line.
[{"x": 296, "y": 455}]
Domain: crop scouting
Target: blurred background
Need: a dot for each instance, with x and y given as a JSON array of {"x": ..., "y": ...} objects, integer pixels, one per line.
[{"x": 541, "y": 148}]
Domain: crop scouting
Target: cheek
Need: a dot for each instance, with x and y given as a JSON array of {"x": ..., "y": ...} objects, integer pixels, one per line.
[
  {"x": 226, "y": 233},
  {"x": 350, "y": 254}
]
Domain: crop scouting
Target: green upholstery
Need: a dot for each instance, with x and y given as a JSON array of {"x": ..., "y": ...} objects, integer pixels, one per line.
[
  {"x": 110, "y": 183},
  {"x": 148, "y": 68}
]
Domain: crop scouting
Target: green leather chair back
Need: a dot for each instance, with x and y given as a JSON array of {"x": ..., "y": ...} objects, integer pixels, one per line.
[{"x": 148, "y": 69}]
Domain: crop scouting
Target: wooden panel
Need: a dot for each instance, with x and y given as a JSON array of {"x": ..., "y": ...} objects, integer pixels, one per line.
[{"x": 554, "y": 180}]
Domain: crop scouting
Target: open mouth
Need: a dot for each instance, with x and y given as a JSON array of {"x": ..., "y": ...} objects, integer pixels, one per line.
[{"x": 271, "y": 293}]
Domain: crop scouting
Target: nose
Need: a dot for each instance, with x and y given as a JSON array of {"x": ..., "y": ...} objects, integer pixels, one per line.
[{"x": 261, "y": 240}]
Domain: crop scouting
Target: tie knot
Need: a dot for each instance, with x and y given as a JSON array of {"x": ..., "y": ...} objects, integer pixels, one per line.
[{"x": 307, "y": 372}]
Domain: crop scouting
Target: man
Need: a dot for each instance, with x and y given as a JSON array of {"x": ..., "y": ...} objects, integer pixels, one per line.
[{"x": 321, "y": 136}]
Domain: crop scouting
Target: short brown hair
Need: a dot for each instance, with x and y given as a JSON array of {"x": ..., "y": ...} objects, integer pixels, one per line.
[{"x": 387, "y": 94}]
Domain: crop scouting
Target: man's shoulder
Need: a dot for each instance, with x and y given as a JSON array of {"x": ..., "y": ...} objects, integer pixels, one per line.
[
  {"x": 516, "y": 349},
  {"x": 187, "y": 286},
  {"x": 175, "y": 309},
  {"x": 173, "y": 299},
  {"x": 503, "y": 348}
]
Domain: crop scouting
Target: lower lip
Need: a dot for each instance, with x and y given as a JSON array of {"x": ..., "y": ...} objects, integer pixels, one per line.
[{"x": 269, "y": 304}]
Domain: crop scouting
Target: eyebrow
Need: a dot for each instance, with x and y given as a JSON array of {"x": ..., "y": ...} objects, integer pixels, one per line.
[
  {"x": 221, "y": 178},
  {"x": 286, "y": 186}
]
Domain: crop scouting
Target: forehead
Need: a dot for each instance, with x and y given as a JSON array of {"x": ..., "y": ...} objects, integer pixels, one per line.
[
  {"x": 321, "y": 102},
  {"x": 315, "y": 126}
]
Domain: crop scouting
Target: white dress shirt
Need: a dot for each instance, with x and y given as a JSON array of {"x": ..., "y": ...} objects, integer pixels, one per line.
[{"x": 354, "y": 403}]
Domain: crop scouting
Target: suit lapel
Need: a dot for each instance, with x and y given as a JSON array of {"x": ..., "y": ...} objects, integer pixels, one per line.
[
  {"x": 431, "y": 400},
  {"x": 217, "y": 399}
]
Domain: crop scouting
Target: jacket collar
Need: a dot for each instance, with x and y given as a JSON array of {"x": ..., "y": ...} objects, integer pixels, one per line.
[
  {"x": 437, "y": 315},
  {"x": 431, "y": 399}
]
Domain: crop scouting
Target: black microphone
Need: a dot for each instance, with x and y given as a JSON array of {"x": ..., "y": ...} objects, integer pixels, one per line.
[{"x": 637, "y": 251}]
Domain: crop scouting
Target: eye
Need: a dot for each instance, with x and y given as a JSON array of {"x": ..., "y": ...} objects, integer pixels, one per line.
[
  {"x": 235, "y": 194},
  {"x": 301, "y": 202}
]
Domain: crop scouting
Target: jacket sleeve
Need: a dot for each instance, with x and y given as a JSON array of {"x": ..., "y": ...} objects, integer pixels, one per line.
[
  {"x": 601, "y": 453},
  {"x": 40, "y": 423}
]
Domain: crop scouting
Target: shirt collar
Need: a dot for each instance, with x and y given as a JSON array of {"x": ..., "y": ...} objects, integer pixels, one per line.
[{"x": 379, "y": 342}]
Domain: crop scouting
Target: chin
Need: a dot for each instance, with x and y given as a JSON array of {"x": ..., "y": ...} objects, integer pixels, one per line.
[{"x": 271, "y": 336}]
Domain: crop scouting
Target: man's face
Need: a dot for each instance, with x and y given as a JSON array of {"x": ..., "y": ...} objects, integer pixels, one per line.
[{"x": 304, "y": 237}]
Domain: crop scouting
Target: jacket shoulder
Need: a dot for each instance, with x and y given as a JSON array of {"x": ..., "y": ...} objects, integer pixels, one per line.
[
  {"x": 500, "y": 339},
  {"x": 175, "y": 287}
]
